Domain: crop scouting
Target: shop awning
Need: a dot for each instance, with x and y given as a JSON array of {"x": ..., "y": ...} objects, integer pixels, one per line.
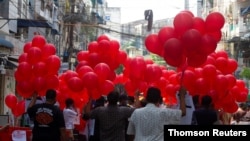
[
  {"x": 33, "y": 23},
  {"x": 6, "y": 43},
  {"x": 12, "y": 60},
  {"x": 36, "y": 23}
]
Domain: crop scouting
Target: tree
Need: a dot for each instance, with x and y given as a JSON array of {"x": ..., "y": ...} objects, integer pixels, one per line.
[{"x": 245, "y": 73}]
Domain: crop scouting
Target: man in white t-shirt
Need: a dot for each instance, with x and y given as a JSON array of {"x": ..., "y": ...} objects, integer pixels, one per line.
[
  {"x": 70, "y": 114},
  {"x": 147, "y": 123}
]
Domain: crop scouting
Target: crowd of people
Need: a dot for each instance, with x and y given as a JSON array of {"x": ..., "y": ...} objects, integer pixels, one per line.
[{"x": 119, "y": 117}]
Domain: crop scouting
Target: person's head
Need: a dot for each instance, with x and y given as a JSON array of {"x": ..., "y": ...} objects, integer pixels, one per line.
[
  {"x": 131, "y": 100},
  {"x": 51, "y": 96},
  {"x": 100, "y": 102},
  {"x": 206, "y": 101},
  {"x": 69, "y": 102},
  {"x": 143, "y": 102},
  {"x": 196, "y": 101},
  {"x": 123, "y": 99},
  {"x": 153, "y": 95},
  {"x": 113, "y": 98}
]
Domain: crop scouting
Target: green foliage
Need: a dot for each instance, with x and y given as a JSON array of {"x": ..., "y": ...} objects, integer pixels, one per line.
[
  {"x": 119, "y": 70},
  {"x": 245, "y": 73},
  {"x": 157, "y": 59}
]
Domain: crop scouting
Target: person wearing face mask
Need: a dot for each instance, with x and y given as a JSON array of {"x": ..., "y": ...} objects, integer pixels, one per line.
[
  {"x": 48, "y": 119},
  {"x": 70, "y": 114}
]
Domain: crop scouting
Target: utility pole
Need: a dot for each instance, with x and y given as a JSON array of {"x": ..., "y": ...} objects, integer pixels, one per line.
[{"x": 71, "y": 37}]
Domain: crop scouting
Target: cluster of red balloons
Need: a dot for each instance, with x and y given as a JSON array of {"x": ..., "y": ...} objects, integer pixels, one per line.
[
  {"x": 190, "y": 41},
  {"x": 215, "y": 77},
  {"x": 38, "y": 68},
  {"x": 190, "y": 46},
  {"x": 17, "y": 107},
  {"x": 94, "y": 73}
]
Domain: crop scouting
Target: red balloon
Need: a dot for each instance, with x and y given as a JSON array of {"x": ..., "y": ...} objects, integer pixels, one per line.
[
  {"x": 25, "y": 87},
  {"x": 210, "y": 60},
  {"x": 138, "y": 71},
  {"x": 38, "y": 41},
  {"x": 221, "y": 83},
  {"x": 107, "y": 87},
  {"x": 191, "y": 41},
  {"x": 201, "y": 86},
  {"x": 214, "y": 21},
  {"x": 39, "y": 69},
  {"x": 130, "y": 88},
  {"x": 111, "y": 76},
  {"x": 75, "y": 84},
  {"x": 230, "y": 107},
  {"x": 221, "y": 53},
  {"x": 39, "y": 83},
  {"x": 242, "y": 97},
  {"x": 162, "y": 82},
  {"x": 94, "y": 93},
  {"x": 199, "y": 24},
  {"x": 69, "y": 74},
  {"x": 235, "y": 91},
  {"x": 83, "y": 70},
  {"x": 80, "y": 64},
  {"x": 166, "y": 33},
  {"x": 94, "y": 59},
  {"x": 34, "y": 55},
  {"x": 153, "y": 45},
  {"x": 183, "y": 21},
  {"x": 27, "y": 46},
  {"x": 47, "y": 50},
  {"x": 90, "y": 80},
  {"x": 24, "y": 69},
  {"x": 52, "y": 82},
  {"x": 93, "y": 47},
  {"x": 170, "y": 90},
  {"x": 104, "y": 46},
  {"x": 142, "y": 87},
  {"x": 188, "y": 79},
  {"x": 208, "y": 44},
  {"x": 221, "y": 64},
  {"x": 18, "y": 76},
  {"x": 53, "y": 64},
  {"x": 174, "y": 79},
  {"x": 152, "y": 73},
  {"x": 209, "y": 72},
  {"x": 11, "y": 100},
  {"x": 114, "y": 46},
  {"x": 102, "y": 37},
  {"x": 19, "y": 108},
  {"x": 241, "y": 84},
  {"x": 232, "y": 65},
  {"x": 102, "y": 70},
  {"x": 122, "y": 56},
  {"x": 82, "y": 55},
  {"x": 216, "y": 35},
  {"x": 23, "y": 58},
  {"x": 188, "y": 12},
  {"x": 173, "y": 52}
]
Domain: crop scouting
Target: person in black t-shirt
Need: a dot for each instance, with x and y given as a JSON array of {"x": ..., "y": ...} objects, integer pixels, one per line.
[
  {"x": 205, "y": 115},
  {"x": 48, "y": 119}
]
